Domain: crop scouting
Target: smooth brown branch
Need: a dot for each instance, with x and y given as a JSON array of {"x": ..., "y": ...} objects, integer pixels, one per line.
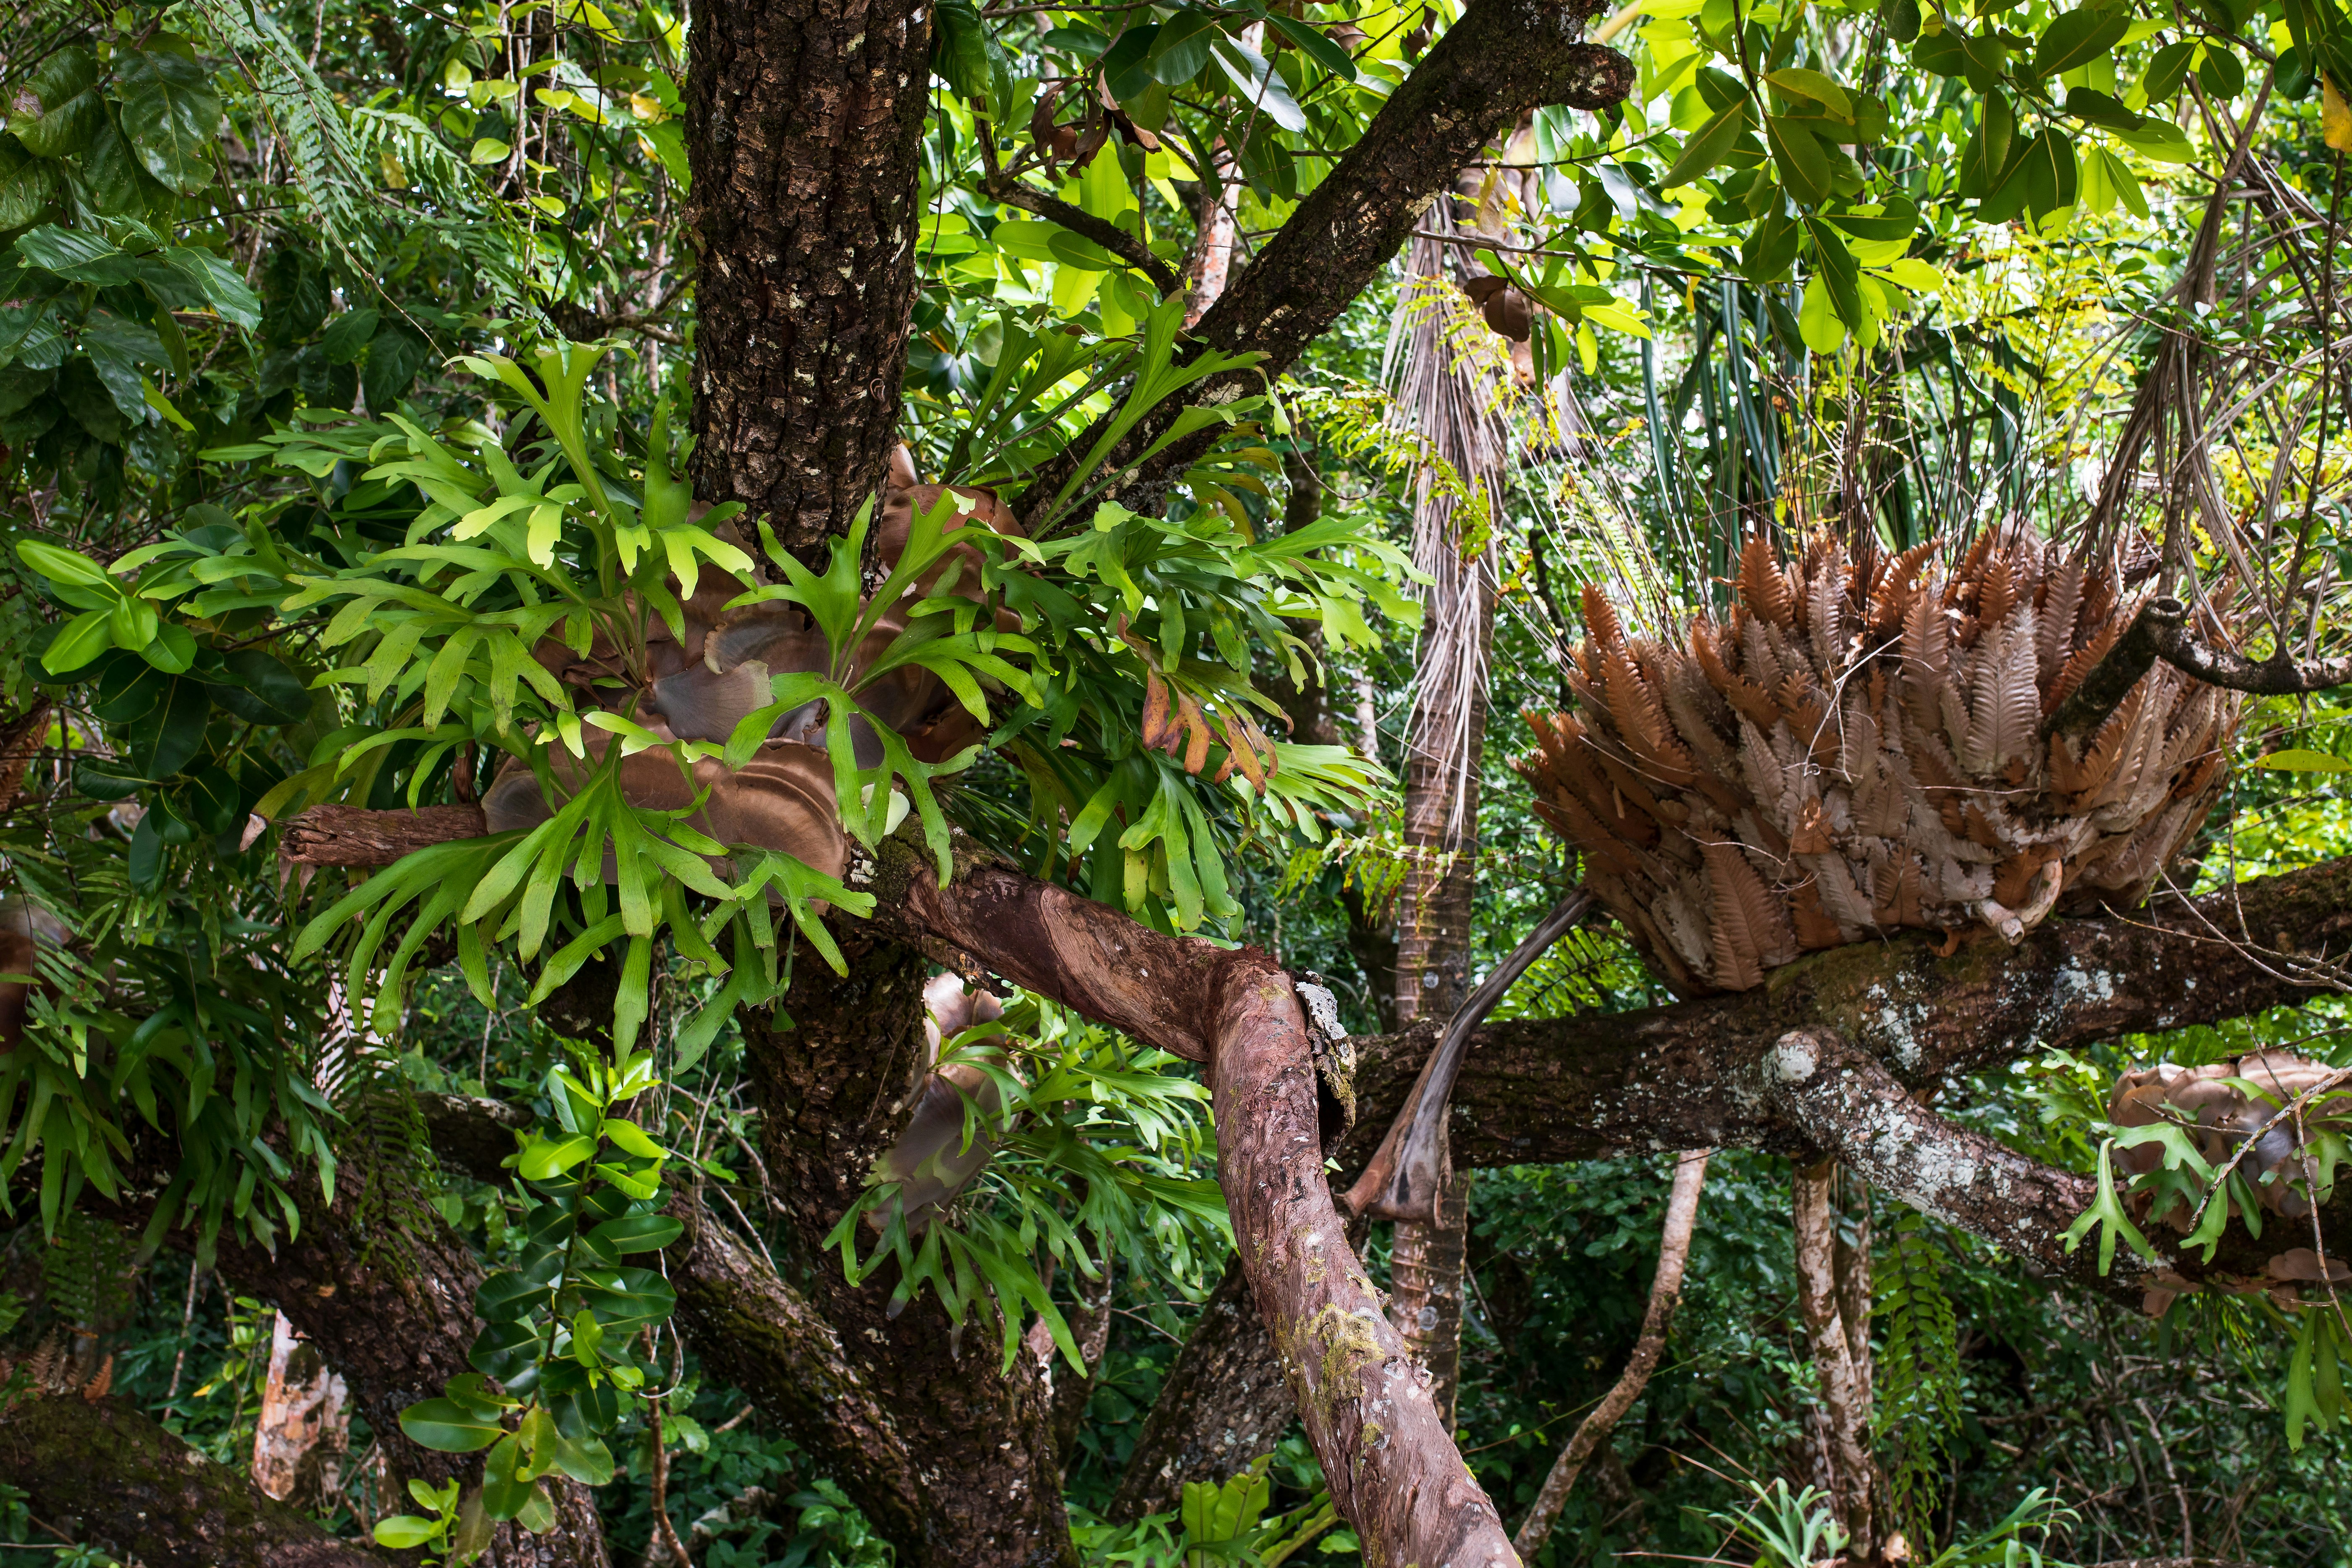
[
  {"x": 1665, "y": 1296},
  {"x": 2161, "y": 631}
]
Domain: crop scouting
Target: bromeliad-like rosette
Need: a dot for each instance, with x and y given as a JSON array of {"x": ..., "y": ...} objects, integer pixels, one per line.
[{"x": 1865, "y": 747}]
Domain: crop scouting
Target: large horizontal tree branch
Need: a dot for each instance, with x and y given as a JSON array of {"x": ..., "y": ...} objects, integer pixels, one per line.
[
  {"x": 1852, "y": 1106},
  {"x": 1501, "y": 58},
  {"x": 110, "y": 1474},
  {"x": 1542, "y": 1091}
]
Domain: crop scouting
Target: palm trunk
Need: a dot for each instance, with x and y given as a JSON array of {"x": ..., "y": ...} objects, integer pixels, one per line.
[{"x": 1446, "y": 745}]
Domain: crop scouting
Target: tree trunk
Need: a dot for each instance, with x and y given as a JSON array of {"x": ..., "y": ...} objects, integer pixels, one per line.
[
  {"x": 108, "y": 1473},
  {"x": 804, "y": 119},
  {"x": 383, "y": 1290},
  {"x": 1843, "y": 1390},
  {"x": 1444, "y": 753},
  {"x": 1223, "y": 1403},
  {"x": 834, "y": 1089}
]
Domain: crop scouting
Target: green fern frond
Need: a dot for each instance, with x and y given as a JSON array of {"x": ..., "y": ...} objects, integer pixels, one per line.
[{"x": 1918, "y": 1404}]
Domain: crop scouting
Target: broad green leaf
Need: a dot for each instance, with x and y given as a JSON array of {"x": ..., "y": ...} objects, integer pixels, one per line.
[
  {"x": 638, "y": 1233},
  {"x": 448, "y": 1427},
  {"x": 170, "y": 112},
  {"x": 55, "y": 109},
  {"x": 2076, "y": 38},
  {"x": 1709, "y": 146},
  {"x": 403, "y": 1530},
  {"x": 1800, "y": 82},
  {"x": 1797, "y": 155},
  {"x": 2296, "y": 760}
]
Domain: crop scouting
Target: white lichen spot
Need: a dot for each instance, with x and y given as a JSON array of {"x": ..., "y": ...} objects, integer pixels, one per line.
[{"x": 1795, "y": 1058}]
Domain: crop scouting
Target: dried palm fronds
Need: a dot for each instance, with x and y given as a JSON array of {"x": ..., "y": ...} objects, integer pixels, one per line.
[{"x": 1860, "y": 749}]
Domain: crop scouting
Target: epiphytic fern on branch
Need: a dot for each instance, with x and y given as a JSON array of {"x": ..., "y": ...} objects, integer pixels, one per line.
[{"x": 1860, "y": 749}]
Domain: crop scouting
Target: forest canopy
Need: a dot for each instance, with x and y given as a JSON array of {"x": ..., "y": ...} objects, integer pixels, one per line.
[{"x": 865, "y": 780}]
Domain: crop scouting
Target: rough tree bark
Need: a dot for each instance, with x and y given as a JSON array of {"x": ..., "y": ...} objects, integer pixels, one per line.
[
  {"x": 803, "y": 122},
  {"x": 833, "y": 1090},
  {"x": 756, "y": 1332},
  {"x": 1665, "y": 1296},
  {"x": 108, "y": 1474},
  {"x": 1222, "y": 1403},
  {"x": 384, "y": 1290}
]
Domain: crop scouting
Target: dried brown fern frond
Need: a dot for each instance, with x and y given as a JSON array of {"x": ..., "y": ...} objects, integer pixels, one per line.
[{"x": 1860, "y": 750}]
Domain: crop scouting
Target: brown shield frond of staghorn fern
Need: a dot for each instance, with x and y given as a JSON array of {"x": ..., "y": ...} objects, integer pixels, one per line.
[
  {"x": 1860, "y": 750},
  {"x": 698, "y": 687}
]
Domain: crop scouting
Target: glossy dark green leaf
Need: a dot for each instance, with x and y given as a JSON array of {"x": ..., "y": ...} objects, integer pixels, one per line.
[
  {"x": 2221, "y": 73},
  {"x": 28, "y": 188},
  {"x": 1985, "y": 57},
  {"x": 2050, "y": 172},
  {"x": 57, "y": 108},
  {"x": 1841, "y": 275},
  {"x": 394, "y": 360},
  {"x": 2076, "y": 38},
  {"x": 217, "y": 283},
  {"x": 638, "y": 1233},
  {"x": 1984, "y": 160},
  {"x": 1709, "y": 146},
  {"x": 508, "y": 1295},
  {"x": 144, "y": 864},
  {"x": 1127, "y": 64},
  {"x": 118, "y": 181},
  {"x": 74, "y": 253},
  {"x": 101, "y": 779},
  {"x": 2097, "y": 108},
  {"x": 504, "y": 1494},
  {"x": 1940, "y": 53},
  {"x": 1902, "y": 19},
  {"x": 1898, "y": 218},
  {"x": 294, "y": 297},
  {"x": 174, "y": 732},
  {"x": 627, "y": 1299},
  {"x": 1771, "y": 246},
  {"x": 959, "y": 49},
  {"x": 28, "y": 337},
  {"x": 506, "y": 1351},
  {"x": 170, "y": 112},
  {"x": 90, "y": 403},
  {"x": 118, "y": 348},
  {"x": 264, "y": 691},
  {"x": 347, "y": 336},
  {"x": 1314, "y": 44}
]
